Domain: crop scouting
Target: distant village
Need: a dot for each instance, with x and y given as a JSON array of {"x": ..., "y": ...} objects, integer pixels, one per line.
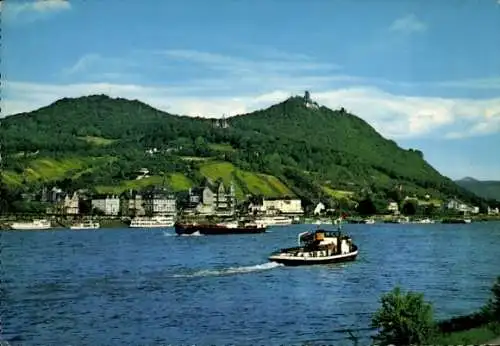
[{"x": 212, "y": 199}]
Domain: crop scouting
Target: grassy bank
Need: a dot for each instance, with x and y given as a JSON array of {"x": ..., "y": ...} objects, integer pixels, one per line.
[
  {"x": 473, "y": 336},
  {"x": 405, "y": 318}
]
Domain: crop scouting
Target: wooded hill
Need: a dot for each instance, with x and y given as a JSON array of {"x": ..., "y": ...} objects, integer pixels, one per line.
[
  {"x": 291, "y": 148},
  {"x": 489, "y": 189}
]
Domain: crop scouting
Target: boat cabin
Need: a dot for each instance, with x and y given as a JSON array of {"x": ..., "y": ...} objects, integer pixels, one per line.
[{"x": 320, "y": 239}]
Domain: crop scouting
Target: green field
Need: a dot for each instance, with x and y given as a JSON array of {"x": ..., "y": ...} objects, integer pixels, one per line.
[
  {"x": 49, "y": 169},
  {"x": 179, "y": 182},
  {"x": 337, "y": 193},
  {"x": 474, "y": 336},
  {"x": 175, "y": 181},
  {"x": 222, "y": 147},
  {"x": 245, "y": 181}
]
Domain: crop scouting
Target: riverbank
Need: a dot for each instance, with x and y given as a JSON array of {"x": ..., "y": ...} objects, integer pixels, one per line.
[
  {"x": 475, "y": 336},
  {"x": 436, "y": 219},
  {"x": 118, "y": 222},
  {"x": 65, "y": 223}
]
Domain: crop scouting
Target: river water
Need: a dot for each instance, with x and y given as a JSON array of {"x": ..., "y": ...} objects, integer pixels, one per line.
[{"x": 145, "y": 287}]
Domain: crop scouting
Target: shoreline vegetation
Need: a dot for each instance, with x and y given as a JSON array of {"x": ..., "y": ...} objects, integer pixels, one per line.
[{"x": 405, "y": 318}]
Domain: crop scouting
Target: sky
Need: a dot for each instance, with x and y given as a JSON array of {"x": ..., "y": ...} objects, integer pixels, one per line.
[{"x": 423, "y": 73}]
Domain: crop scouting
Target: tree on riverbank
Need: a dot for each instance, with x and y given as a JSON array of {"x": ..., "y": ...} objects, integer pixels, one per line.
[
  {"x": 404, "y": 319},
  {"x": 493, "y": 307}
]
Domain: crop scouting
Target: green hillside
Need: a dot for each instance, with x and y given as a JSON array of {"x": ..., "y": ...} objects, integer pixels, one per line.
[
  {"x": 489, "y": 189},
  {"x": 287, "y": 149}
]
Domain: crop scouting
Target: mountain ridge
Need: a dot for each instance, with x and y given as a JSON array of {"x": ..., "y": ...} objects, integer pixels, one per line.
[
  {"x": 488, "y": 189},
  {"x": 313, "y": 150}
]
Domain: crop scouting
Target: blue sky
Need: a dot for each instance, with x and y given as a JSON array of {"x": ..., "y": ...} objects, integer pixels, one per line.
[{"x": 424, "y": 73}]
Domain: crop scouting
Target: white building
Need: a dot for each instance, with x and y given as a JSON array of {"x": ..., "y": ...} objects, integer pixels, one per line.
[
  {"x": 110, "y": 205},
  {"x": 206, "y": 205},
  {"x": 71, "y": 204},
  {"x": 493, "y": 211},
  {"x": 455, "y": 204},
  {"x": 283, "y": 206},
  {"x": 320, "y": 207},
  {"x": 393, "y": 207}
]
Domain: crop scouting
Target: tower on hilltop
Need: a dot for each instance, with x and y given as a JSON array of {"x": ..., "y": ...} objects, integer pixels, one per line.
[
  {"x": 308, "y": 102},
  {"x": 221, "y": 123}
]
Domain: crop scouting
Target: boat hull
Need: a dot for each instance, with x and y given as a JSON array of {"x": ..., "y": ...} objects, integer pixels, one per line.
[
  {"x": 159, "y": 225},
  {"x": 29, "y": 228},
  {"x": 301, "y": 261},
  {"x": 182, "y": 229}
]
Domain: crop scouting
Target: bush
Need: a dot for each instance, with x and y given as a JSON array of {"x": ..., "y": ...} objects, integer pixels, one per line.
[
  {"x": 492, "y": 308},
  {"x": 403, "y": 319},
  {"x": 494, "y": 303}
]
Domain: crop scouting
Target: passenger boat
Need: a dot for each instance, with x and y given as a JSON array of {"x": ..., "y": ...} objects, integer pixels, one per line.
[
  {"x": 425, "y": 221},
  {"x": 152, "y": 222},
  {"x": 219, "y": 228},
  {"x": 274, "y": 221},
  {"x": 318, "y": 247},
  {"x": 33, "y": 225},
  {"x": 89, "y": 224}
]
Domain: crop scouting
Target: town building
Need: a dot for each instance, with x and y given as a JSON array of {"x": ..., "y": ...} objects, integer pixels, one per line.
[
  {"x": 71, "y": 205},
  {"x": 393, "y": 208},
  {"x": 493, "y": 211},
  {"x": 132, "y": 204},
  {"x": 458, "y": 206},
  {"x": 282, "y": 206},
  {"x": 211, "y": 199},
  {"x": 159, "y": 202},
  {"x": 109, "y": 205}
]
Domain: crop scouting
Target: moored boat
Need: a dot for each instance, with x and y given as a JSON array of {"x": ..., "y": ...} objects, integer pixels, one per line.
[
  {"x": 318, "y": 247},
  {"x": 425, "y": 221},
  {"x": 274, "y": 221},
  {"x": 152, "y": 222},
  {"x": 89, "y": 224},
  {"x": 33, "y": 225},
  {"x": 219, "y": 228}
]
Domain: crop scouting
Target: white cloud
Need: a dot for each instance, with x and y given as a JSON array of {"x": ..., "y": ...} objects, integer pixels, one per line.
[
  {"x": 240, "y": 85},
  {"x": 394, "y": 116},
  {"x": 408, "y": 24},
  {"x": 52, "y": 5},
  {"x": 28, "y": 11},
  {"x": 483, "y": 83},
  {"x": 273, "y": 62}
]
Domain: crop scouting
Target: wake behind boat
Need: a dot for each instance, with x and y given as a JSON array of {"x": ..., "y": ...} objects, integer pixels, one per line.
[
  {"x": 219, "y": 228},
  {"x": 318, "y": 247}
]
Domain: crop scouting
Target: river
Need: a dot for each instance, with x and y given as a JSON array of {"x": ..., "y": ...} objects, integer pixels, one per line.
[{"x": 124, "y": 286}]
